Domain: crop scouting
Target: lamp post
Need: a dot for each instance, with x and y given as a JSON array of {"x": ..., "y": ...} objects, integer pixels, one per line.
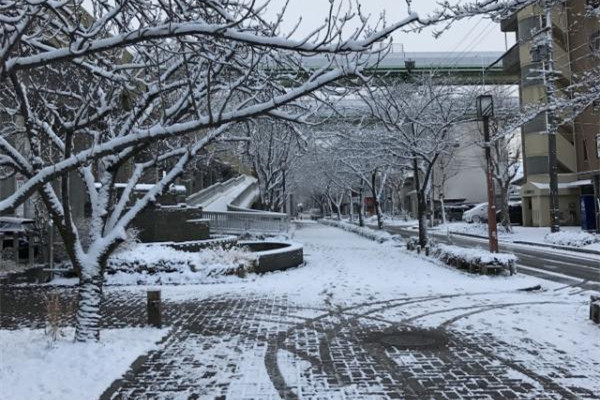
[{"x": 485, "y": 110}]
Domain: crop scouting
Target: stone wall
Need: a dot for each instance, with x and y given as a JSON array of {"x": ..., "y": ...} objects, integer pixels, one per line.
[{"x": 171, "y": 224}]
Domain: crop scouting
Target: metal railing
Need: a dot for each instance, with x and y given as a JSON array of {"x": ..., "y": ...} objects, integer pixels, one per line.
[{"x": 251, "y": 222}]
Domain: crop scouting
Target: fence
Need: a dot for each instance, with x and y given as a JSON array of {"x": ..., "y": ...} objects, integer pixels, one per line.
[{"x": 251, "y": 222}]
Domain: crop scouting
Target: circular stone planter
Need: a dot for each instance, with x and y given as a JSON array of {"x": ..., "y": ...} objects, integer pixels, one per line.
[
  {"x": 274, "y": 256},
  {"x": 193, "y": 246}
]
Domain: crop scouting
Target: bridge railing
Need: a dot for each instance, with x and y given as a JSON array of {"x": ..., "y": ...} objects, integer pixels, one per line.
[{"x": 251, "y": 222}]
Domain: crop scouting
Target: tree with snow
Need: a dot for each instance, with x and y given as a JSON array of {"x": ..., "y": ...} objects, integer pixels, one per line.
[
  {"x": 418, "y": 116},
  {"x": 273, "y": 149},
  {"x": 108, "y": 94}
]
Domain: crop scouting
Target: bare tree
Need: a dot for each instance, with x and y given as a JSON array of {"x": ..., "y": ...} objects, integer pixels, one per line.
[
  {"x": 273, "y": 148},
  {"x": 419, "y": 116}
]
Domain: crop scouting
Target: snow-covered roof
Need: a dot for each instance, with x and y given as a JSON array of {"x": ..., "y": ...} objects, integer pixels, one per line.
[
  {"x": 566, "y": 185},
  {"x": 144, "y": 187},
  {"x": 422, "y": 59}
]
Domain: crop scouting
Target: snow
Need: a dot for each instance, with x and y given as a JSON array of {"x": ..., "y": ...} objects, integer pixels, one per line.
[
  {"x": 573, "y": 239},
  {"x": 345, "y": 270},
  {"x": 525, "y": 234},
  {"x": 144, "y": 187},
  {"x": 33, "y": 367},
  {"x": 474, "y": 255},
  {"x": 377, "y": 235},
  {"x": 157, "y": 264},
  {"x": 352, "y": 268},
  {"x": 221, "y": 200}
]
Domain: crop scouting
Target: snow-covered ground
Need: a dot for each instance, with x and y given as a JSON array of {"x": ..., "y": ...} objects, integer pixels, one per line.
[
  {"x": 347, "y": 277},
  {"x": 390, "y": 221},
  {"x": 33, "y": 367},
  {"x": 346, "y": 270},
  {"x": 519, "y": 234}
]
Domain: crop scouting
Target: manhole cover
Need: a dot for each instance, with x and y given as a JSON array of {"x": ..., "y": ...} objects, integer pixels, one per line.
[{"x": 411, "y": 339}]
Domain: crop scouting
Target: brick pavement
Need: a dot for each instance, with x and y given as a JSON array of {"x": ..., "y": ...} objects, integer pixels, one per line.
[{"x": 235, "y": 346}]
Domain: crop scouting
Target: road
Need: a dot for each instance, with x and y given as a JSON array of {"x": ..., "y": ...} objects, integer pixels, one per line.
[{"x": 581, "y": 270}]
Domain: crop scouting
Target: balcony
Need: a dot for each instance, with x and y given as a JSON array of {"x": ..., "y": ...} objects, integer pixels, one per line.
[{"x": 510, "y": 24}]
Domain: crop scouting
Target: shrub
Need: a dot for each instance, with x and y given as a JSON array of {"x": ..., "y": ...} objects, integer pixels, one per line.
[
  {"x": 474, "y": 258},
  {"x": 573, "y": 239}
]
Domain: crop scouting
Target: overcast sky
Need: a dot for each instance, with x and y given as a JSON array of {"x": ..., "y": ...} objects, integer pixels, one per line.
[{"x": 469, "y": 35}]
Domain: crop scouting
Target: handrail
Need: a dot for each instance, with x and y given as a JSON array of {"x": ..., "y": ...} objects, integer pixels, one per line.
[{"x": 251, "y": 222}]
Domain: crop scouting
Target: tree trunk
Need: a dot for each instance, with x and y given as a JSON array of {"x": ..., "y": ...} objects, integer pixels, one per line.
[
  {"x": 505, "y": 209},
  {"x": 351, "y": 208},
  {"x": 376, "y": 200},
  {"x": 421, "y": 206},
  {"x": 338, "y": 211},
  {"x": 422, "y": 217},
  {"x": 87, "y": 327},
  {"x": 361, "y": 208}
]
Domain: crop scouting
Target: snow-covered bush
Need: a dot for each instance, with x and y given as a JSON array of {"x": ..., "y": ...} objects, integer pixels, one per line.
[
  {"x": 573, "y": 239},
  {"x": 378, "y": 236},
  {"x": 468, "y": 257},
  {"x": 159, "y": 264}
]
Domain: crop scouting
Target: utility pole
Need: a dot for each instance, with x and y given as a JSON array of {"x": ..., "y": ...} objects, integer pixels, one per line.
[
  {"x": 543, "y": 52},
  {"x": 485, "y": 110}
]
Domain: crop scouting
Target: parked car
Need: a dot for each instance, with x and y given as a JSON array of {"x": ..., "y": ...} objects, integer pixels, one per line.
[
  {"x": 476, "y": 214},
  {"x": 479, "y": 213},
  {"x": 454, "y": 212},
  {"x": 23, "y": 227}
]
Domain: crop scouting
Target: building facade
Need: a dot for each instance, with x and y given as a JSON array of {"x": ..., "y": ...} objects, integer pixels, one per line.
[{"x": 575, "y": 45}]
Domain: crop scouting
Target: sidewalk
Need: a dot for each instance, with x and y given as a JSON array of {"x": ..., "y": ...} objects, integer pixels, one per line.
[{"x": 360, "y": 321}]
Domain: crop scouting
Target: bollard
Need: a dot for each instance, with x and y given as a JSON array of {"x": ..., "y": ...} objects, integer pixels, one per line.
[
  {"x": 418, "y": 249},
  {"x": 595, "y": 309},
  {"x": 427, "y": 250},
  {"x": 153, "y": 307}
]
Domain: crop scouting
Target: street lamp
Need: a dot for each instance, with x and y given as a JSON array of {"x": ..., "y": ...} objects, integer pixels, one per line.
[{"x": 485, "y": 110}]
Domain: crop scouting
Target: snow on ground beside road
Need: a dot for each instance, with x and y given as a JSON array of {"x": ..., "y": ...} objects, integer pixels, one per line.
[
  {"x": 390, "y": 221},
  {"x": 33, "y": 368},
  {"x": 573, "y": 239},
  {"x": 522, "y": 233}
]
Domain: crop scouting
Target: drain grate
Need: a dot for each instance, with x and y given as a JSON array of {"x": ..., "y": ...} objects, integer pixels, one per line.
[{"x": 419, "y": 339}]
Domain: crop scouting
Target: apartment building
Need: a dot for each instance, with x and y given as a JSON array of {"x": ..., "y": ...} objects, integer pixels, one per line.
[{"x": 576, "y": 50}]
